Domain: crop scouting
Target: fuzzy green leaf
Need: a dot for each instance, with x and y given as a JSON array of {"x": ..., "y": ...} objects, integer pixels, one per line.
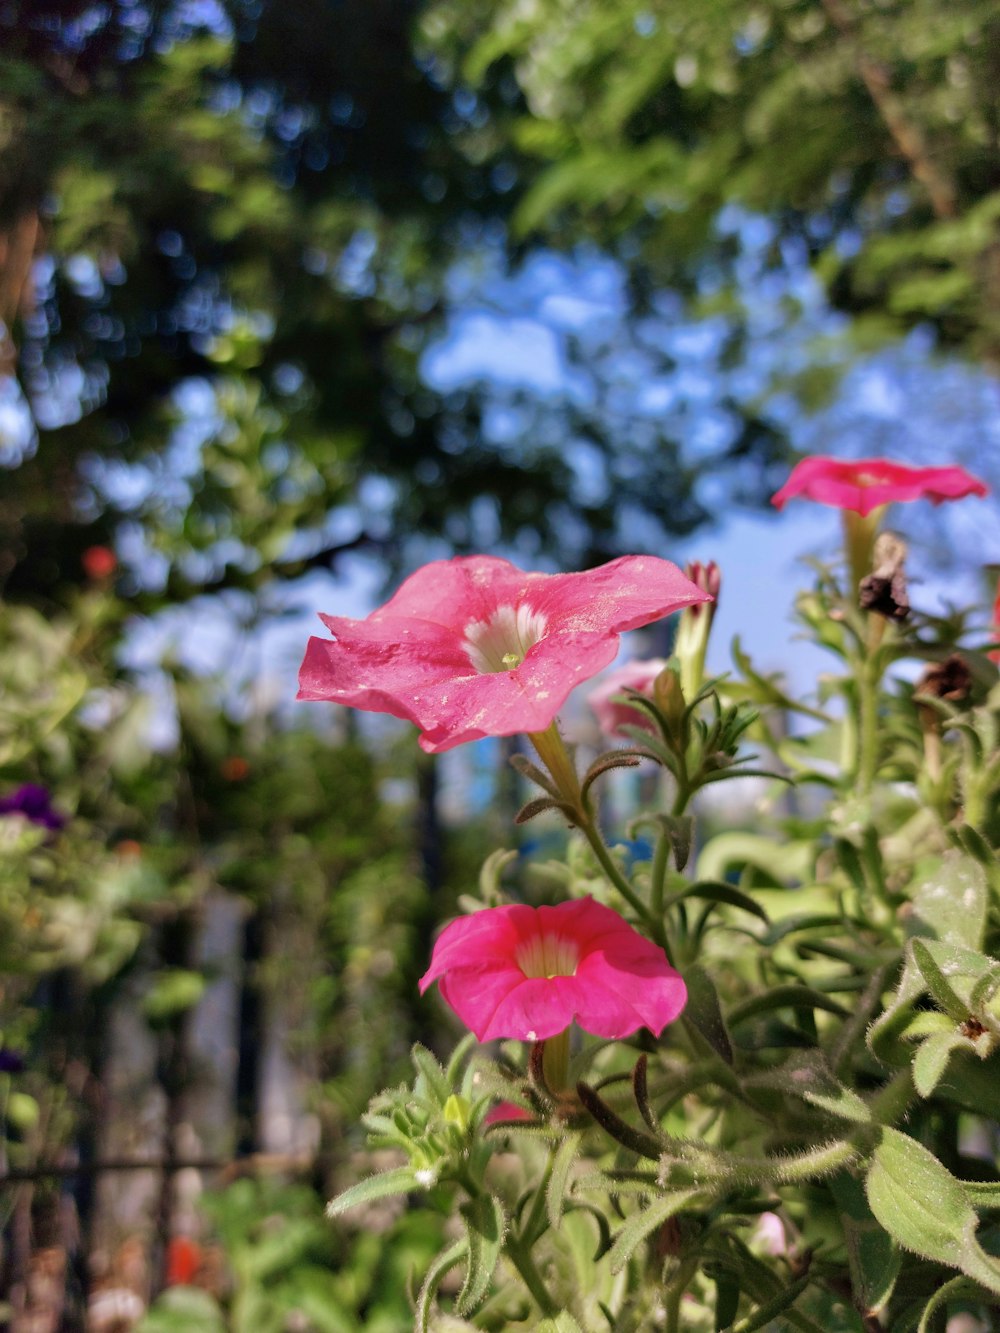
[
  {"x": 931, "y": 1060},
  {"x": 400, "y": 1180},
  {"x": 562, "y": 1164},
  {"x": 485, "y": 1226},
  {"x": 872, "y": 1254},
  {"x": 641, "y": 1225},
  {"x": 923, "y": 1206},
  {"x": 442, "y": 1265}
]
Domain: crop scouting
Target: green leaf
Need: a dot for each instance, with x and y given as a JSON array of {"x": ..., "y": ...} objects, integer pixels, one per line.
[
  {"x": 173, "y": 992},
  {"x": 923, "y": 1206},
  {"x": 777, "y": 862},
  {"x": 872, "y": 1255},
  {"x": 428, "y": 1067},
  {"x": 542, "y": 803},
  {"x": 183, "y": 1310},
  {"x": 400, "y": 1180},
  {"x": 559, "y": 1178},
  {"x": 952, "y": 901},
  {"x": 486, "y": 1226},
  {"x": 935, "y": 960},
  {"x": 931, "y": 1059},
  {"x": 717, "y": 891},
  {"x": 766, "y": 1314},
  {"x": 727, "y": 1300},
  {"x": 641, "y": 1225},
  {"x": 784, "y": 997},
  {"x": 604, "y": 763},
  {"x": 704, "y": 1012},
  {"x": 442, "y": 1265},
  {"x": 562, "y": 1323},
  {"x": 957, "y": 1289}
]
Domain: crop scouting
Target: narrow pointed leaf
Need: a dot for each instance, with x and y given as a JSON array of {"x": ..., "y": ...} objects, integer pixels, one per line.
[
  {"x": 435, "y": 1275},
  {"x": 704, "y": 1012},
  {"x": 533, "y": 773},
  {"x": 717, "y": 891},
  {"x": 606, "y": 762},
  {"x": 562, "y": 1165},
  {"x": 641, "y": 1225},
  {"x": 400, "y": 1180},
  {"x": 426, "y": 1064},
  {"x": 938, "y": 984},
  {"x": 485, "y": 1226},
  {"x": 541, "y": 804},
  {"x": 931, "y": 1060}
]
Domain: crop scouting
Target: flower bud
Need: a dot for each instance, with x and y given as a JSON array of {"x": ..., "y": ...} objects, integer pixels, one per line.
[{"x": 695, "y": 625}]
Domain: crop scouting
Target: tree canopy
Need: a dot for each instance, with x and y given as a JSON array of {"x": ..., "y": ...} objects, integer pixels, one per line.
[{"x": 869, "y": 128}]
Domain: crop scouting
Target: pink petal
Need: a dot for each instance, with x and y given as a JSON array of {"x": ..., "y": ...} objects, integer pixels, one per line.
[
  {"x": 615, "y": 997},
  {"x": 637, "y": 675},
  {"x": 482, "y": 939},
  {"x": 865, "y": 484},
  {"x": 624, "y": 594},
  {"x": 538, "y": 1008},
  {"x": 508, "y": 702}
]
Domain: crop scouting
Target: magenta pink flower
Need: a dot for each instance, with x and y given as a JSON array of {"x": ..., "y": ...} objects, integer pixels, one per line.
[
  {"x": 865, "y": 484},
  {"x": 474, "y": 647},
  {"x": 527, "y": 973},
  {"x": 994, "y": 656},
  {"x": 612, "y": 714}
]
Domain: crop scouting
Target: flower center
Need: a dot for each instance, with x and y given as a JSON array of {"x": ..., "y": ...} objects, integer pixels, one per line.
[
  {"x": 548, "y": 956},
  {"x": 502, "y": 642}
]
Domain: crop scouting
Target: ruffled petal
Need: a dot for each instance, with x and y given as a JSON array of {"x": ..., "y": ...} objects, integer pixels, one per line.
[{"x": 623, "y": 594}]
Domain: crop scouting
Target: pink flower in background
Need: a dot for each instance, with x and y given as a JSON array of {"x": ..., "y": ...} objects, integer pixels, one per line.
[
  {"x": 473, "y": 646},
  {"x": 994, "y": 656},
  {"x": 506, "y": 1111},
  {"x": 611, "y": 714},
  {"x": 864, "y": 484},
  {"x": 527, "y": 973}
]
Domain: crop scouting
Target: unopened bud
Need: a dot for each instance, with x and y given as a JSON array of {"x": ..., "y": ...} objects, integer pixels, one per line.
[{"x": 669, "y": 697}]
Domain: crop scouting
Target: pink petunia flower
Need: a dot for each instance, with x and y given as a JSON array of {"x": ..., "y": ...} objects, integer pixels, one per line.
[
  {"x": 611, "y": 714},
  {"x": 865, "y": 484},
  {"x": 527, "y": 973},
  {"x": 473, "y": 646},
  {"x": 994, "y": 656}
]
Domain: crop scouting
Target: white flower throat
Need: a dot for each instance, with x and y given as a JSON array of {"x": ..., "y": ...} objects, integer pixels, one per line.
[{"x": 502, "y": 642}]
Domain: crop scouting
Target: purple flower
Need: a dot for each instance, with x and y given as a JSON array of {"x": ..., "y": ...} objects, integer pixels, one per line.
[
  {"x": 33, "y": 803},
  {"x": 10, "y": 1061}
]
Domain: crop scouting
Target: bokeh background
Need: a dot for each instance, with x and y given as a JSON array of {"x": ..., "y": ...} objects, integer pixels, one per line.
[{"x": 294, "y": 296}]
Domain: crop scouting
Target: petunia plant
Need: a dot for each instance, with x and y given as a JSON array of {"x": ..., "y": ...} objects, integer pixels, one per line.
[{"x": 731, "y": 1066}]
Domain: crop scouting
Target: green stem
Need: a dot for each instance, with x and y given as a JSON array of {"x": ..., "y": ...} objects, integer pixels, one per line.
[
  {"x": 521, "y": 1257},
  {"x": 657, "y": 892},
  {"x": 552, "y": 751},
  {"x": 868, "y": 682},
  {"x": 555, "y": 1061}
]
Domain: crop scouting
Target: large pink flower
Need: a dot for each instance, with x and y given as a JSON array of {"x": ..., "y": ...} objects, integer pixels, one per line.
[
  {"x": 611, "y": 714},
  {"x": 527, "y": 973},
  {"x": 474, "y": 647},
  {"x": 865, "y": 484}
]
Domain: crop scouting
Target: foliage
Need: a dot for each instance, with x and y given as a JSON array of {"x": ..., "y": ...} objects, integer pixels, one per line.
[
  {"x": 867, "y": 130},
  {"x": 814, "y": 1144}
]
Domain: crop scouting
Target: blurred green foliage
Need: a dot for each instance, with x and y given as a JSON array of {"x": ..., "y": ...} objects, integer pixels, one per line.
[{"x": 866, "y": 131}]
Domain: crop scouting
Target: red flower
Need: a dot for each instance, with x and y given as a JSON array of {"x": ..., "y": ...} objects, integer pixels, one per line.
[
  {"x": 99, "y": 562},
  {"x": 865, "y": 484},
  {"x": 183, "y": 1261},
  {"x": 994, "y": 656},
  {"x": 474, "y": 647},
  {"x": 527, "y": 973}
]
